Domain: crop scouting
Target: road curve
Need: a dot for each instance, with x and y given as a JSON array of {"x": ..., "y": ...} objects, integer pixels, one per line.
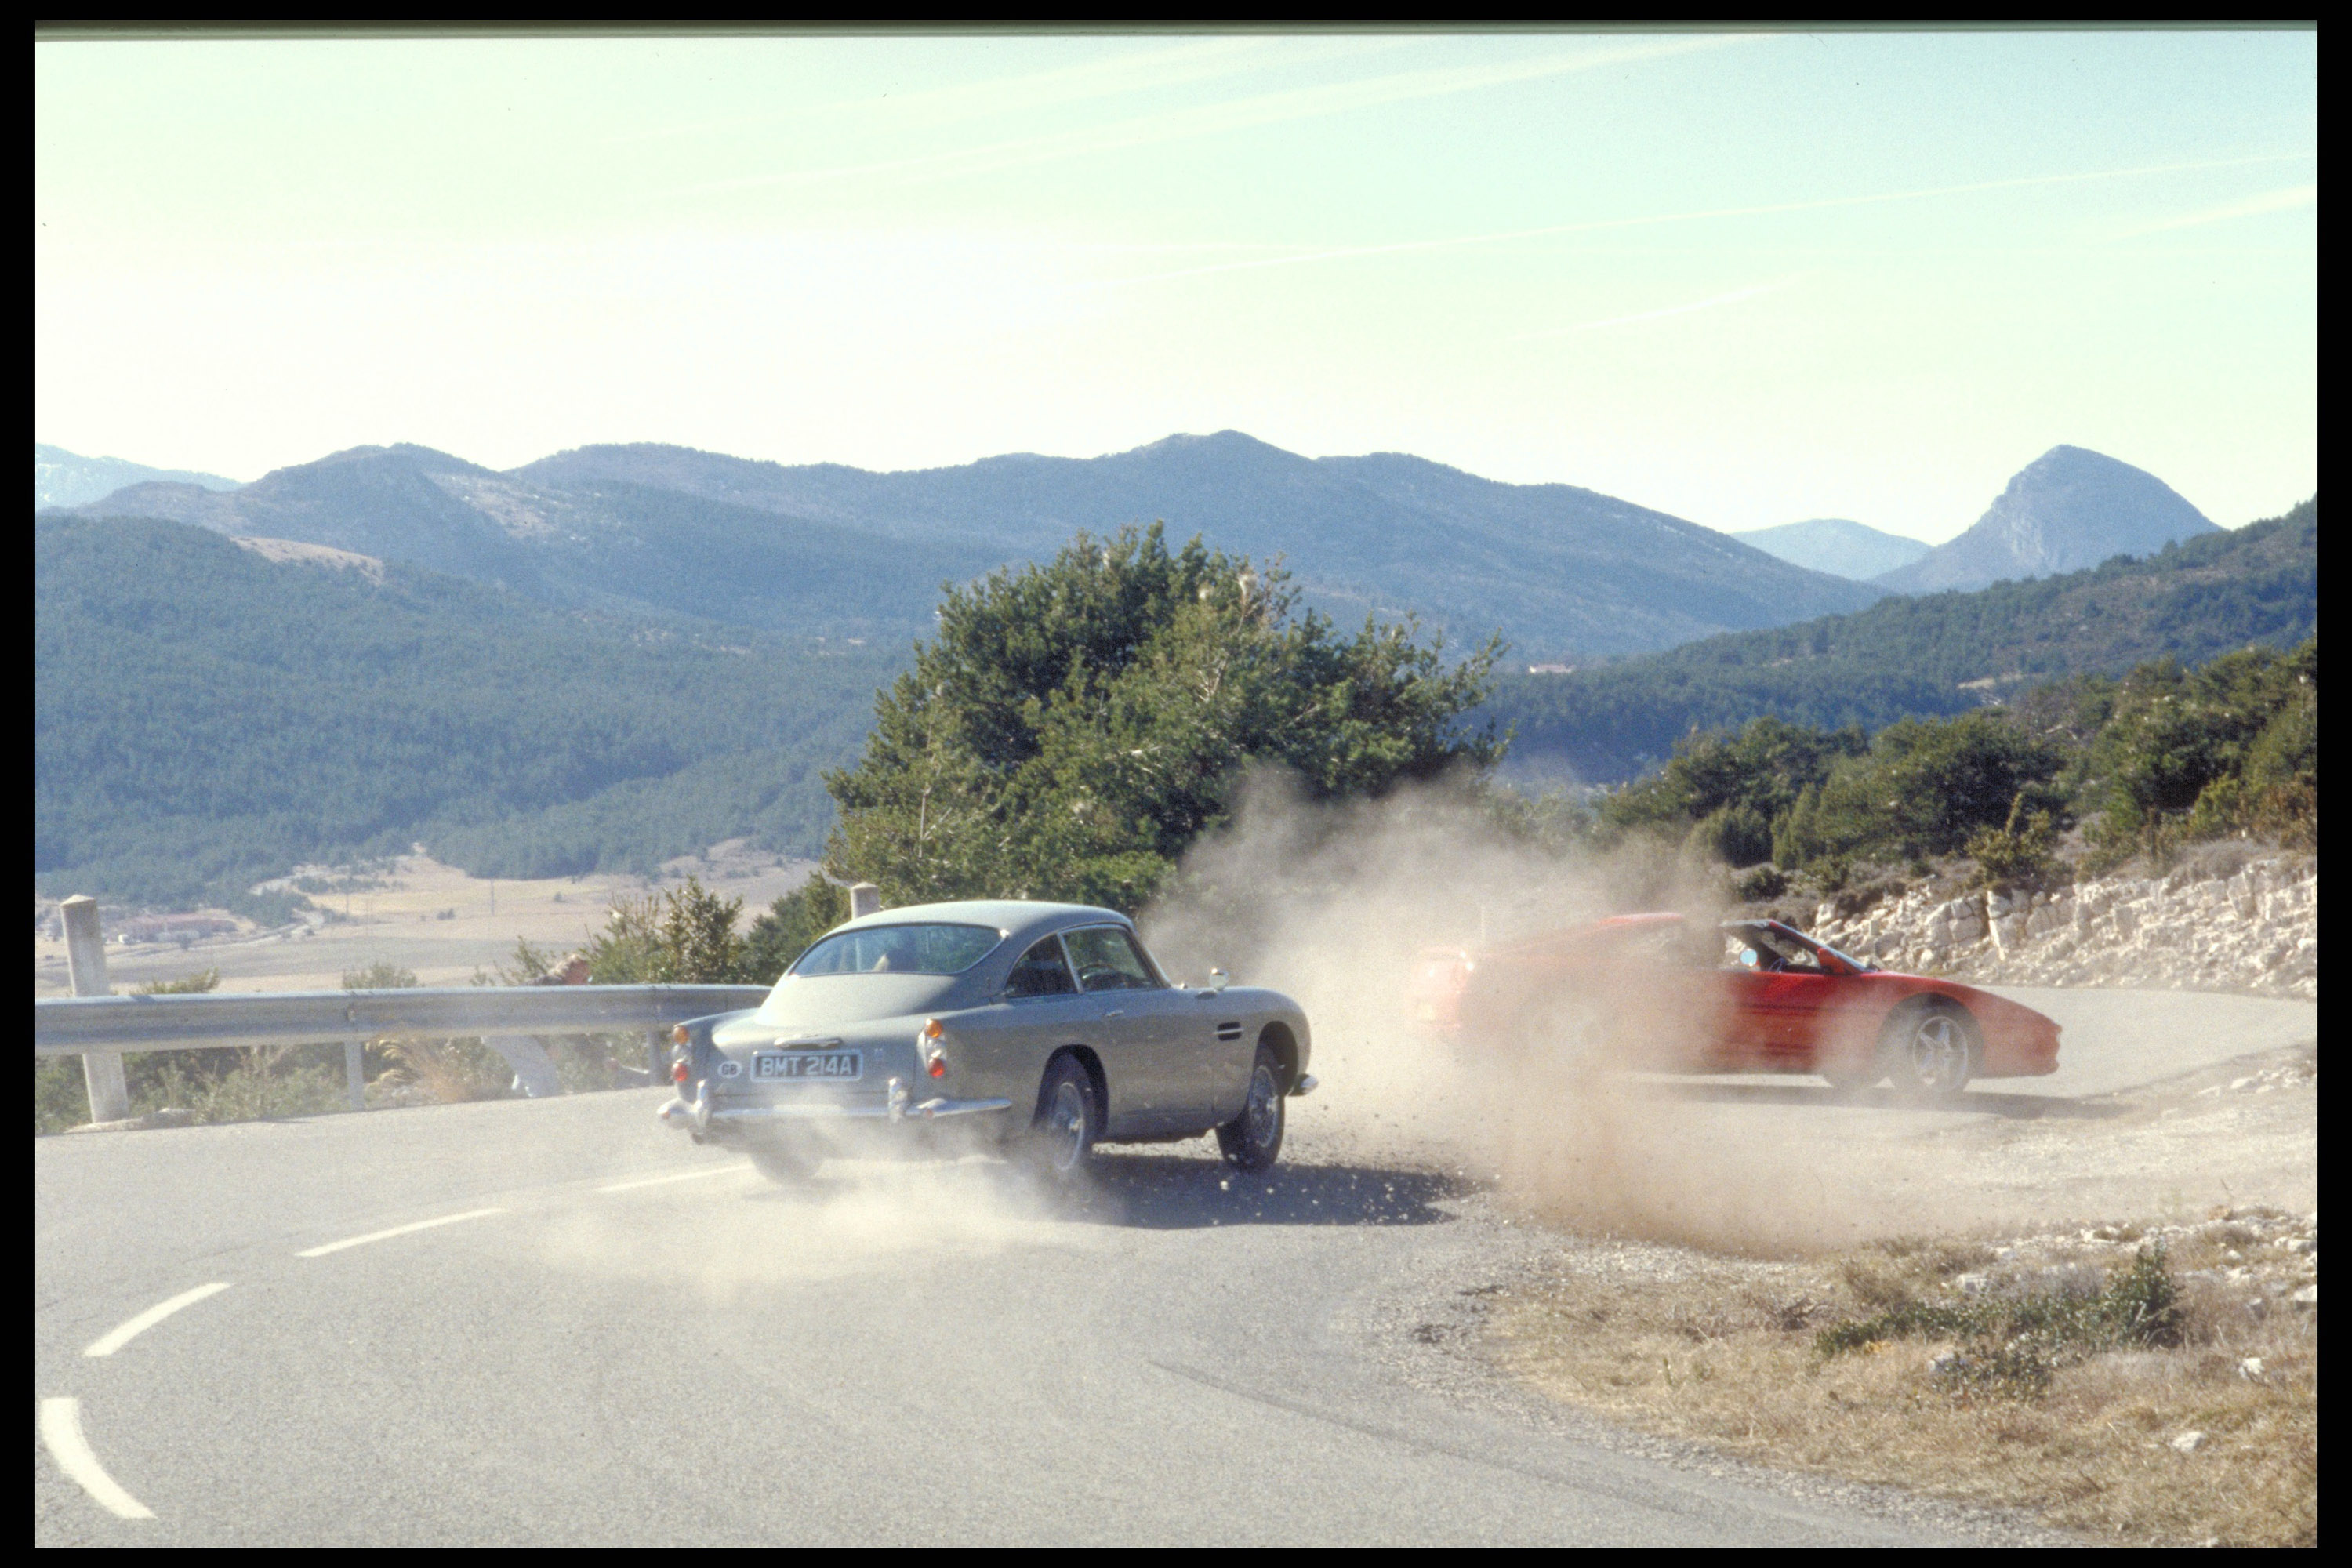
[{"x": 499, "y": 1324}]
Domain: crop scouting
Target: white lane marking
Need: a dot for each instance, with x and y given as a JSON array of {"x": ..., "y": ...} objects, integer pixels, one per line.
[
  {"x": 680, "y": 1176},
  {"x": 396, "y": 1230},
  {"x": 61, "y": 1432},
  {"x": 108, "y": 1343}
]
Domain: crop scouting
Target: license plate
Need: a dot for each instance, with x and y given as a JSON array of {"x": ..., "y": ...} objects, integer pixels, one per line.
[{"x": 782, "y": 1067}]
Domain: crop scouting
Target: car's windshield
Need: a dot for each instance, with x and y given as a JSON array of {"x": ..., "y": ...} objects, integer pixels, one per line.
[
  {"x": 1782, "y": 951},
  {"x": 899, "y": 950}
]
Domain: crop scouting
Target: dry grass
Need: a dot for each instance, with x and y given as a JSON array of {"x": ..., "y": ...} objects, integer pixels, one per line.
[{"x": 1728, "y": 1353}]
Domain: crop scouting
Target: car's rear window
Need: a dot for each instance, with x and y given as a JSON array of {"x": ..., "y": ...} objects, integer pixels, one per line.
[{"x": 901, "y": 950}]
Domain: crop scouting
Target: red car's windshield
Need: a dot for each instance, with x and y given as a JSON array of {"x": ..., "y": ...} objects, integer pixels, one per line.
[{"x": 1780, "y": 950}]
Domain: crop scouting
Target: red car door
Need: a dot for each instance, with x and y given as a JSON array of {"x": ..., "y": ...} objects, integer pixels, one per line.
[{"x": 1772, "y": 1018}]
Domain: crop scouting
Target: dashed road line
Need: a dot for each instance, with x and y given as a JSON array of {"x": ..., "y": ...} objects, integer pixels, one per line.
[
  {"x": 676, "y": 1177},
  {"x": 115, "y": 1339},
  {"x": 396, "y": 1230},
  {"x": 61, "y": 1433}
]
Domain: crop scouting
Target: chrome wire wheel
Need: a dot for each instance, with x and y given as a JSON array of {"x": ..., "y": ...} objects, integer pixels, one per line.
[
  {"x": 1253, "y": 1140},
  {"x": 1261, "y": 1121},
  {"x": 1066, "y": 1129}
]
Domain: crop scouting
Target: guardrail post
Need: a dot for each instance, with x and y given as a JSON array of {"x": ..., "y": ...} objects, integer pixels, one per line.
[
  {"x": 534, "y": 1071},
  {"x": 101, "y": 1071},
  {"x": 355, "y": 1073},
  {"x": 864, "y": 899}
]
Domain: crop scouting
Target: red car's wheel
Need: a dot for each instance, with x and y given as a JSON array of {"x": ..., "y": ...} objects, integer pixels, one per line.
[{"x": 1931, "y": 1050}]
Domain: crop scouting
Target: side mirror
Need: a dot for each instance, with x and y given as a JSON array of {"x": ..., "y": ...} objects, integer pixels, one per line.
[{"x": 1218, "y": 981}]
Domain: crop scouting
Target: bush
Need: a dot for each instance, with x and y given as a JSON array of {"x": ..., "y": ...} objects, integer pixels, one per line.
[
  {"x": 2010, "y": 1344},
  {"x": 2231, "y": 747},
  {"x": 2018, "y": 853},
  {"x": 1074, "y": 727},
  {"x": 683, "y": 937}
]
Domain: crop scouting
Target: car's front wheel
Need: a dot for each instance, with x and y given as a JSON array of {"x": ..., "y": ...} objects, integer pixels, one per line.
[
  {"x": 1253, "y": 1141},
  {"x": 1062, "y": 1139},
  {"x": 1930, "y": 1051}
]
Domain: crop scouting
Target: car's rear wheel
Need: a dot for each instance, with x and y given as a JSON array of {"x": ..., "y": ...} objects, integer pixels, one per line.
[
  {"x": 1062, "y": 1138},
  {"x": 1930, "y": 1051},
  {"x": 786, "y": 1166},
  {"x": 1253, "y": 1141}
]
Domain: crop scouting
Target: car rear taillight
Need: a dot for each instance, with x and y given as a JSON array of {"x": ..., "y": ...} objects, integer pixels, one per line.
[
  {"x": 939, "y": 1068},
  {"x": 677, "y": 1074}
]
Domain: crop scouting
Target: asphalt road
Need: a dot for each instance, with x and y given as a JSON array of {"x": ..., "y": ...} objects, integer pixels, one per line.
[{"x": 617, "y": 1338}]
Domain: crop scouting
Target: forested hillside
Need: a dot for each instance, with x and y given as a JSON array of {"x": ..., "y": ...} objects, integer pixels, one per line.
[
  {"x": 204, "y": 717},
  {"x": 1555, "y": 568},
  {"x": 1937, "y": 654},
  {"x": 609, "y": 545}
]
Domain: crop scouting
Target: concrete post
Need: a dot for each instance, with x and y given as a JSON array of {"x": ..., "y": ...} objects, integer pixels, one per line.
[
  {"x": 355, "y": 1073},
  {"x": 109, "y": 1096},
  {"x": 534, "y": 1070},
  {"x": 864, "y": 899}
]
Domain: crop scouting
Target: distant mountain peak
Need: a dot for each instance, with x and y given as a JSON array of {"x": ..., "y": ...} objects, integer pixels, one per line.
[
  {"x": 68, "y": 479},
  {"x": 1838, "y": 545},
  {"x": 2068, "y": 510}
]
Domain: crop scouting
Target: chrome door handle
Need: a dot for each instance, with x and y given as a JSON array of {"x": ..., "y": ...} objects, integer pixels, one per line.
[{"x": 1116, "y": 1012}]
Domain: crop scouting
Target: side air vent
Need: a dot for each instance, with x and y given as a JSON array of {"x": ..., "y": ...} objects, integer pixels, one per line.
[{"x": 1230, "y": 1031}]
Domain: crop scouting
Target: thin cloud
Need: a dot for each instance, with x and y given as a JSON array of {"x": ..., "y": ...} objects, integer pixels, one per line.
[
  {"x": 2287, "y": 200},
  {"x": 1142, "y": 71},
  {"x": 1757, "y": 210},
  {"x": 1220, "y": 118},
  {"x": 1736, "y": 295}
]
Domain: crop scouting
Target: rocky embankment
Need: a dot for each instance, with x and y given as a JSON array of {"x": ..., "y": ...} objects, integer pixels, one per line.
[{"x": 2255, "y": 930}]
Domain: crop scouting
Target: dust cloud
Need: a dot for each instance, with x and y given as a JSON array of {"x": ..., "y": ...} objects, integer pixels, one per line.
[
  {"x": 738, "y": 1234},
  {"x": 1333, "y": 904}
]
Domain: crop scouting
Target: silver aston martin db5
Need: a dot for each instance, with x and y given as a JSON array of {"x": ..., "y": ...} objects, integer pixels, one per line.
[{"x": 1038, "y": 1029}]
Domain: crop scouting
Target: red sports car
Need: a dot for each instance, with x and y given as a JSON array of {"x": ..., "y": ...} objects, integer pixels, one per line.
[{"x": 1657, "y": 992}]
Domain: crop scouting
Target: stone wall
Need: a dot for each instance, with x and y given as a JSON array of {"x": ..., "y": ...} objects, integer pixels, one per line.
[{"x": 2255, "y": 930}]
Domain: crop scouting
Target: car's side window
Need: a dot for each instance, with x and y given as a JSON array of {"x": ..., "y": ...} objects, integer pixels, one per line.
[
  {"x": 1108, "y": 959},
  {"x": 1041, "y": 973}
]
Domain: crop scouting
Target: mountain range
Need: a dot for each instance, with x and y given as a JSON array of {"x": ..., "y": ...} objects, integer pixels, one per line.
[
  {"x": 1837, "y": 545},
  {"x": 828, "y": 549},
  {"x": 1929, "y": 654},
  {"x": 2067, "y": 510},
  {"x": 68, "y": 479}
]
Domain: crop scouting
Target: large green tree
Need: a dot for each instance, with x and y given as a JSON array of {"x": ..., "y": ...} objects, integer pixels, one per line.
[{"x": 1073, "y": 726}]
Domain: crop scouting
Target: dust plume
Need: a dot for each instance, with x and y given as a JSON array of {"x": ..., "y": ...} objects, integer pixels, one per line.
[
  {"x": 1333, "y": 904},
  {"x": 738, "y": 1233}
]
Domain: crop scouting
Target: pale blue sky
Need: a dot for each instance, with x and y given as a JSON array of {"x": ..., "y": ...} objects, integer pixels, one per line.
[{"x": 1743, "y": 279}]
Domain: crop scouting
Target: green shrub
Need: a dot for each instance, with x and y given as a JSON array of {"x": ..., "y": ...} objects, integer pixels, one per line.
[{"x": 2010, "y": 1344}]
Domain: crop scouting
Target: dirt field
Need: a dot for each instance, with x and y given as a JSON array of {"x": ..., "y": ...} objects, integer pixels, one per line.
[
  {"x": 421, "y": 915},
  {"x": 2204, "y": 1429}
]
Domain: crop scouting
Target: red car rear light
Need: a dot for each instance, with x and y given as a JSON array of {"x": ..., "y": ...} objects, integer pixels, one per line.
[{"x": 677, "y": 1073}]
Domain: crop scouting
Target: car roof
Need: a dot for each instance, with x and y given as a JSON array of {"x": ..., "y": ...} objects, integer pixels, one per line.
[{"x": 1015, "y": 917}]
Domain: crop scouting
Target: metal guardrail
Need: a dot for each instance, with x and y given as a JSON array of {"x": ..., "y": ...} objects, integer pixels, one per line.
[
  {"x": 67, "y": 1027},
  {"x": 99, "y": 1026}
]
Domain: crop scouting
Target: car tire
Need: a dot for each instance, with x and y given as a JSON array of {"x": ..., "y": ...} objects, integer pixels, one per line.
[
  {"x": 1061, "y": 1138},
  {"x": 1253, "y": 1141},
  {"x": 1930, "y": 1051},
  {"x": 785, "y": 1167}
]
